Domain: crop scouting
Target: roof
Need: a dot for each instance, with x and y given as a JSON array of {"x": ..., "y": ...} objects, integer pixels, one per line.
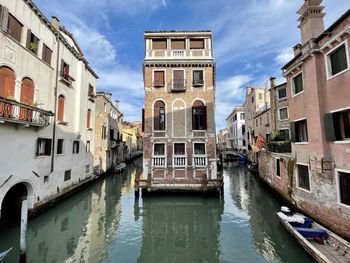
[
  {"x": 322, "y": 35},
  {"x": 334, "y": 25}
]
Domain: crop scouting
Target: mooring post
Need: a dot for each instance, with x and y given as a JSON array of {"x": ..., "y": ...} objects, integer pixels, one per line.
[{"x": 24, "y": 220}]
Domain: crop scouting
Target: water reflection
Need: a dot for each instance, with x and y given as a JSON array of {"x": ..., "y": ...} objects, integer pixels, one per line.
[{"x": 180, "y": 229}]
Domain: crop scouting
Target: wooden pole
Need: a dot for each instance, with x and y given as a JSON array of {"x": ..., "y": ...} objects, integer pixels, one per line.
[{"x": 24, "y": 220}]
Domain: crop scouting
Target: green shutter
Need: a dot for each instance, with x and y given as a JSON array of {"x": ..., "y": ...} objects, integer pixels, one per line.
[
  {"x": 293, "y": 137},
  {"x": 329, "y": 127}
]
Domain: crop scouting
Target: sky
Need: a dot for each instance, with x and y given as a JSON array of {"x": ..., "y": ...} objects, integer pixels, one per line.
[{"x": 253, "y": 39}]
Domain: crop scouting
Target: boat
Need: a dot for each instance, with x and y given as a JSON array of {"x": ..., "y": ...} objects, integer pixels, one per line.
[
  {"x": 322, "y": 244},
  {"x": 253, "y": 167},
  {"x": 120, "y": 167},
  {"x": 242, "y": 159},
  {"x": 3, "y": 254}
]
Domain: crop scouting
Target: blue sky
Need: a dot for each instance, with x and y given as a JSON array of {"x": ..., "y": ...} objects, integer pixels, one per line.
[{"x": 252, "y": 40}]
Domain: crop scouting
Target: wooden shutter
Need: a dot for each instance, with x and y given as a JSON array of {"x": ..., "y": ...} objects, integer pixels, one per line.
[
  {"x": 159, "y": 44},
  {"x": 62, "y": 67},
  {"x": 29, "y": 34},
  {"x": 293, "y": 136},
  {"x": 196, "y": 43},
  {"x": 344, "y": 185},
  {"x": 60, "y": 108},
  {"x": 4, "y": 15},
  {"x": 159, "y": 77},
  {"x": 27, "y": 91},
  {"x": 156, "y": 115},
  {"x": 7, "y": 82},
  {"x": 329, "y": 127},
  {"x": 88, "y": 117},
  {"x": 179, "y": 80},
  {"x": 178, "y": 44}
]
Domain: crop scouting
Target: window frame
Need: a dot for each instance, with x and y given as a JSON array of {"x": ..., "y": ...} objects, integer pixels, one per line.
[
  {"x": 184, "y": 143},
  {"x": 63, "y": 146},
  {"x": 159, "y": 39},
  {"x": 203, "y": 78},
  {"x": 153, "y": 149},
  {"x": 278, "y": 164},
  {"x": 337, "y": 171},
  {"x": 205, "y": 148},
  {"x": 196, "y": 39},
  {"x": 297, "y": 177},
  {"x": 67, "y": 175},
  {"x": 173, "y": 79},
  {"x": 279, "y": 114},
  {"x": 9, "y": 31},
  {"x": 307, "y": 131},
  {"x": 153, "y": 78},
  {"x": 47, "y": 151},
  {"x": 76, "y": 150},
  {"x": 165, "y": 117},
  {"x": 293, "y": 84},
  {"x": 204, "y": 116},
  {"x": 328, "y": 64},
  {"x": 278, "y": 94}
]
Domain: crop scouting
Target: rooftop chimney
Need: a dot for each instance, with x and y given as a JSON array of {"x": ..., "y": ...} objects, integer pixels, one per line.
[
  {"x": 55, "y": 22},
  {"x": 116, "y": 103},
  {"x": 297, "y": 49},
  {"x": 311, "y": 20},
  {"x": 273, "y": 82}
]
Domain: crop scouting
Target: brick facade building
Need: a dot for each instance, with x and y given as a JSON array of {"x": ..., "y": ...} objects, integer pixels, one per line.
[{"x": 179, "y": 139}]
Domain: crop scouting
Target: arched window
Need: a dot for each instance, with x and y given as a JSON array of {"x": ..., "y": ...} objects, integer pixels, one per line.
[
  {"x": 7, "y": 82},
  {"x": 199, "y": 116},
  {"x": 60, "y": 108},
  {"x": 88, "y": 119},
  {"x": 159, "y": 116},
  {"x": 27, "y": 91}
]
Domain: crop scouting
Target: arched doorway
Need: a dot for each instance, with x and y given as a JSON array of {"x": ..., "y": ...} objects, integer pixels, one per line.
[{"x": 12, "y": 202}]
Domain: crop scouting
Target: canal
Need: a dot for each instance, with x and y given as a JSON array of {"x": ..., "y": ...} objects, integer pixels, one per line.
[{"x": 105, "y": 223}]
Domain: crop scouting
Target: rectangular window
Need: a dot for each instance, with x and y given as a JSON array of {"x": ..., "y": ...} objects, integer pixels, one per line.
[
  {"x": 158, "y": 78},
  {"x": 242, "y": 116},
  {"x": 47, "y": 54},
  {"x": 43, "y": 147},
  {"x": 14, "y": 28},
  {"x": 75, "y": 147},
  {"x": 199, "y": 115},
  {"x": 344, "y": 187},
  {"x": 178, "y": 44},
  {"x": 111, "y": 134},
  {"x": 159, "y": 149},
  {"x": 303, "y": 177},
  {"x": 199, "y": 148},
  {"x": 300, "y": 130},
  {"x": 179, "y": 148},
  {"x": 178, "y": 80},
  {"x": 283, "y": 114},
  {"x": 252, "y": 99},
  {"x": 196, "y": 43},
  {"x": 159, "y": 44},
  {"x": 60, "y": 146},
  {"x": 278, "y": 168},
  {"x": 87, "y": 146},
  {"x": 341, "y": 124},
  {"x": 32, "y": 42},
  {"x": 282, "y": 93},
  {"x": 337, "y": 60},
  {"x": 87, "y": 169},
  {"x": 104, "y": 132},
  {"x": 67, "y": 175},
  {"x": 198, "y": 78},
  {"x": 298, "y": 85}
]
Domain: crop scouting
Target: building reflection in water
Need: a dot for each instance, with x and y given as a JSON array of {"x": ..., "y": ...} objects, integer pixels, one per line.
[
  {"x": 180, "y": 228},
  {"x": 257, "y": 203}
]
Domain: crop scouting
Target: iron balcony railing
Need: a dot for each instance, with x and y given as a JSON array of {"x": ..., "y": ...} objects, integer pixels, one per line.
[{"x": 17, "y": 112}]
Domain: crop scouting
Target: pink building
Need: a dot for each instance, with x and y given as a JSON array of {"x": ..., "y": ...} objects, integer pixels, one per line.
[{"x": 318, "y": 87}]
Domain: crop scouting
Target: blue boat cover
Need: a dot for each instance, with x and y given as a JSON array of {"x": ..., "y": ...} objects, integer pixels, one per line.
[
  {"x": 307, "y": 223},
  {"x": 312, "y": 232}
]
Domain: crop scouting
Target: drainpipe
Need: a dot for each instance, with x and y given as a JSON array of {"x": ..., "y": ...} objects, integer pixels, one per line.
[{"x": 55, "y": 104}]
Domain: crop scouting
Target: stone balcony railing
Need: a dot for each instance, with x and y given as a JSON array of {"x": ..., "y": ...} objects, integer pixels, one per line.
[
  {"x": 16, "y": 112},
  {"x": 159, "y": 161},
  {"x": 179, "y": 161},
  {"x": 200, "y": 160},
  {"x": 159, "y": 54}
]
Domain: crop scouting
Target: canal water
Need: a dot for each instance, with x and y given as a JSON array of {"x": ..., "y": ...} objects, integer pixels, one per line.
[{"x": 105, "y": 223}]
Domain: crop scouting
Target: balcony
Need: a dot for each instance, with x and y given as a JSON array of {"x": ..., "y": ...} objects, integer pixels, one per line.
[
  {"x": 200, "y": 161},
  {"x": 16, "y": 112},
  {"x": 179, "y": 161},
  {"x": 161, "y": 54},
  {"x": 159, "y": 161},
  {"x": 178, "y": 85},
  {"x": 67, "y": 79}
]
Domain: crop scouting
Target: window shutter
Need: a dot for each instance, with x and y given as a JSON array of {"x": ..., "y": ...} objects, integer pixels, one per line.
[
  {"x": 4, "y": 15},
  {"x": 178, "y": 44},
  {"x": 143, "y": 120},
  {"x": 29, "y": 33},
  {"x": 159, "y": 77},
  {"x": 293, "y": 137},
  {"x": 204, "y": 117},
  {"x": 329, "y": 127},
  {"x": 197, "y": 43},
  {"x": 37, "y": 146},
  {"x": 27, "y": 91},
  {"x": 62, "y": 67},
  {"x": 43, "y": 53}
]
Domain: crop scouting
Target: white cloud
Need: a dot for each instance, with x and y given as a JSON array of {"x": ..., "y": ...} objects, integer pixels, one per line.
[{"x": 284, "y": 56}]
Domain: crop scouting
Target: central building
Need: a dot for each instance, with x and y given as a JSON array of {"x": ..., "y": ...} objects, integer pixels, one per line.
[{"x": 179, "y": 122}]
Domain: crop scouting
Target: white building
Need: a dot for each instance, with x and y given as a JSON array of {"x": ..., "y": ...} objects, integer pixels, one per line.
[
  {"x": 236, "y": 129},
  {"x": 46, "y": 108}
]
